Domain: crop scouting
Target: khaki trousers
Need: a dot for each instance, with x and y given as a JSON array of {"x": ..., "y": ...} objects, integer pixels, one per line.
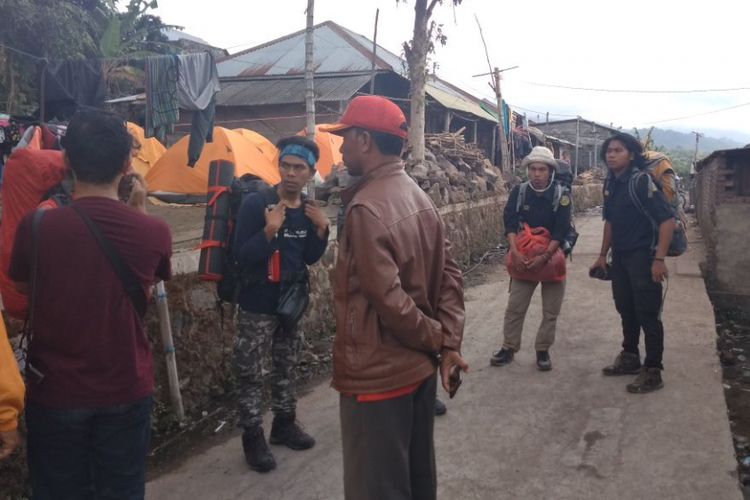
[{"x": 515, "y": 314}]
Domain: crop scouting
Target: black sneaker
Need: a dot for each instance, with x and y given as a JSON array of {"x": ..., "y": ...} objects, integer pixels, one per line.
[
  {"x": 257, "y": 454},
  {"x": 542, "y": 361},
  {"x": 440, "y": 408},
  {"x": 648, "y": 380},
  {"x": 626, "y": 363},
  {"x": 285, "y": 430},
  {"x": 501, "y": 357}
]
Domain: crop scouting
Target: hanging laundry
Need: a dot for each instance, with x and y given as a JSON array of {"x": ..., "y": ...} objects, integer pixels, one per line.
[
  {"x": 31, "y": 138},
  {"x": 71, "y": 84},
  {"x": 197, "y": 87},
  {"x": 162, "y": 103}
]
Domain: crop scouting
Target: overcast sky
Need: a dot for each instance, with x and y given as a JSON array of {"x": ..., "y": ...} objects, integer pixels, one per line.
[{"x": 638, "y": 44}]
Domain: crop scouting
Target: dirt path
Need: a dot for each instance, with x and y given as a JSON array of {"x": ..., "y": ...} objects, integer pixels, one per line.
[{"x": 516, "y": 433}]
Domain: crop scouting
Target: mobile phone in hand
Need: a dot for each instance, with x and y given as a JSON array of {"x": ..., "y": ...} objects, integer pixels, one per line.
[{"x": 454, "y": 381}]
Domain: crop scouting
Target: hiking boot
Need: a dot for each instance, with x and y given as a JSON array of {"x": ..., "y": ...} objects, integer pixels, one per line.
[
  {"x": 648, "y": 380},
  {"x": 501, "y": 357},
  {"x": 286, "y": 430},
  {"x": 542, "y": 361},
  {"x": 626, "y": 363},
  {"x": 257, "y": 454},
  {"x": 440, "y": 408}
]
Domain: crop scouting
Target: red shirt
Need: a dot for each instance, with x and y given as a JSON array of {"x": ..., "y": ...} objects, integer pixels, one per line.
[{"x": 87, "y": 340}]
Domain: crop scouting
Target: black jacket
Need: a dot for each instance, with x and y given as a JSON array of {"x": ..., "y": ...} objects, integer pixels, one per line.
[
  {"x": 297, "y": 242},
  {"x": 538, "y": 211}
]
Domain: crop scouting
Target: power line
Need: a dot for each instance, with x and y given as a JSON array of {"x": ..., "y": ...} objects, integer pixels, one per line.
[
  {"x": 513, "y": 106},
  {"x": 637, "y": 91},
  {"x": 703, "y": 114}
]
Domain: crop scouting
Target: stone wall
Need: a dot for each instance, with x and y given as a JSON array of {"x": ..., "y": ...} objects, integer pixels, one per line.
[{"x": 587, "y": 196}]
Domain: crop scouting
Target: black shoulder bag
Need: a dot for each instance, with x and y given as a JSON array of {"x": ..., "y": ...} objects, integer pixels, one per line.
[
  {"x": 293, "y": 301},
  {"x": 28, "y": 325},
  {"x": 130, "y": 282}
]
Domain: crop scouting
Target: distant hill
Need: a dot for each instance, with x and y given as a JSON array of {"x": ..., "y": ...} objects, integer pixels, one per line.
[{"x": 672, "y": 139}]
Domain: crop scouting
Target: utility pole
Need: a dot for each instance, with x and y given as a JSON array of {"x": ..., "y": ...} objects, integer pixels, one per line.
[
  {"x": 374, "y": 52},
  {"x": 578, "y": 136},
  {"x": 501, "y": 132},
  {"x": 310, "y": 72},
  {"x": 698, "y": 136}
]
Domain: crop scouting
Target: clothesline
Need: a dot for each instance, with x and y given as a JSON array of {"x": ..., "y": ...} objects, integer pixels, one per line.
[
  {"x": 103, "y": 59},
  {"x": 13, "y": 49}
]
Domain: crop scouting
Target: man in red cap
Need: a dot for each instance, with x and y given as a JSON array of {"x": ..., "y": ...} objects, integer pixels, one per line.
[{"x": 399, "y": 312}]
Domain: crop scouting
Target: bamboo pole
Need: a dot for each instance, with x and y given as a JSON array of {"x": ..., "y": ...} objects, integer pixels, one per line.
[{"x": 165, "y": 326}]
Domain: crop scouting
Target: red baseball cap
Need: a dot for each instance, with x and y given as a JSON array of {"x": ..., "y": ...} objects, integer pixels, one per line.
[{"x": 371, "y": 112}]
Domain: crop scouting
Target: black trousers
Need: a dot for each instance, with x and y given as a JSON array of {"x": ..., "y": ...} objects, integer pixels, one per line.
[
  {"x": 638, "y": 299},
  {"x": 389, "y": 451},
  {"x": 89, "y": 454}
]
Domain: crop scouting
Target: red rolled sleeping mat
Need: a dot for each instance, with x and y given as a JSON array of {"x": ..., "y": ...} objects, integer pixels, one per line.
[{"x": 217, "y": 225}]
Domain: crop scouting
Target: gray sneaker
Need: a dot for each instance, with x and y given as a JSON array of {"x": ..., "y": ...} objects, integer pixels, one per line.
[
  {"x": 626, "y": 363},
  {"x": 648, "y": 380}
]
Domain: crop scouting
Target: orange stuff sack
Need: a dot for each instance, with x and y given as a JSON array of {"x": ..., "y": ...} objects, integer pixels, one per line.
[
  {"x": 532, "y": 242},
  {"x": 29, "y": 175}
]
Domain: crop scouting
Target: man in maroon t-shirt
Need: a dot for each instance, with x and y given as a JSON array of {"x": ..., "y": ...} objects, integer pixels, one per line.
[{"x": 89, "y": 395}]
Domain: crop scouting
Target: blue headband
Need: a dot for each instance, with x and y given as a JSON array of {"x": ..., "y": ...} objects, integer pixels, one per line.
[{"x": 299, "y": 152}]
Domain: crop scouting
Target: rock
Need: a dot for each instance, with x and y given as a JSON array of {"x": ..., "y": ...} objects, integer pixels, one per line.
[
  {"x": 437, "y": 196},
  {"x": 490, "y": 175},
  {"x": 462, "y": 166},
  {"x": 458, "y": 196},
  {"x": 419, "y": 172},
  {"x": 429, "y": 156},
  {"x": 448, "y": 167}
]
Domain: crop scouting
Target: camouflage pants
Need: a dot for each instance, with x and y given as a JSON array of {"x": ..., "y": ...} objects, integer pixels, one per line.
[{"x": 255, "y": 333}]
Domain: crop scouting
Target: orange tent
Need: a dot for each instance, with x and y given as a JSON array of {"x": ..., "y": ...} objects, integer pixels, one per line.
[
  {"x": 264, "y": 145},
  {"x": 330, "y": 150},
  {"x": 171, "y": 178},
  {"x": 148, "y": 151}
]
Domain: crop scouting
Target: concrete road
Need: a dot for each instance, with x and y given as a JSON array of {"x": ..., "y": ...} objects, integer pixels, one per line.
[{"x": 516, "y": 433}]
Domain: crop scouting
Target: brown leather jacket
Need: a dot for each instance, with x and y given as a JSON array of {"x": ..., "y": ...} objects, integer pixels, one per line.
[{"x": 398, "y": 293}]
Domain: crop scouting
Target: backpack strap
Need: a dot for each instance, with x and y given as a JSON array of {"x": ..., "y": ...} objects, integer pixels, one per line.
[
  {"x": 28, "y": 326},
  {"x": 521, "y": 199},
  {"x": 635, "y": 178},
  {"x": 36, "y": 223},
  {"x": 130, "y": 282},
  {"x": 556, "y": 197}
]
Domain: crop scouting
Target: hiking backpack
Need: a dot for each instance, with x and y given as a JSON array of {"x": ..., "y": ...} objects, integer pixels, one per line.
[
  {"x": 658, "y": 178},
  {"x": 562, "y": 189},
  {"x": 226, "y": 194}
]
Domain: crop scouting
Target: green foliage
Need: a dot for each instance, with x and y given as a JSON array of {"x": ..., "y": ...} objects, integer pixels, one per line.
[{"x": 71, "y": 29}]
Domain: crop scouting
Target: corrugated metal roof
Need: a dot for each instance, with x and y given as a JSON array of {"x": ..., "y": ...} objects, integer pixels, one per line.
[
  {"x": 266, "y": 91},
  {"x": 451, "y": 99},
  {"x": 337, "y": 50}
]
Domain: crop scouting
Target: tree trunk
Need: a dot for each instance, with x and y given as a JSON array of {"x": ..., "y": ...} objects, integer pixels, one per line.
[
  {"x": 416, "y": 57},
  {"x": 310, "y": 72}
]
